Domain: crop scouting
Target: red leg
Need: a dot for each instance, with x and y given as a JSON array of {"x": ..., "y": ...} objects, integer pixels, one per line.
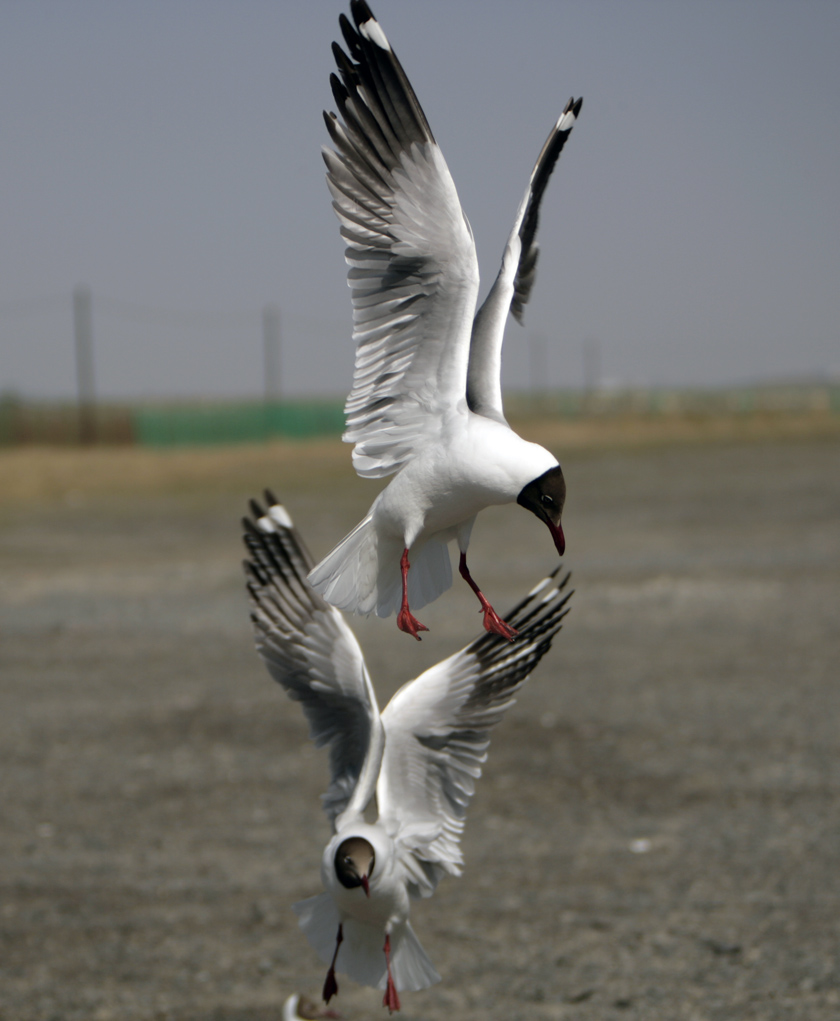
[
  {"x": 492, "y": 621},
  {"x": 405, "y": 619},
  {"x": 391, "y": 999},
  {"x": 330, "y": 984}
]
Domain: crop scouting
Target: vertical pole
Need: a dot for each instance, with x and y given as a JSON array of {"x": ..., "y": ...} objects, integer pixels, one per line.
[
  {"x": 83, "y": 330},
  {"x": 271, "y": 353}
]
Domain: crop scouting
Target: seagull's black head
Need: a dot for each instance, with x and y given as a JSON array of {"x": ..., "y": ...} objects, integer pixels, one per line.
[
  {"x": 354, "y": 861},
  {"x": 545, "y": 497}
]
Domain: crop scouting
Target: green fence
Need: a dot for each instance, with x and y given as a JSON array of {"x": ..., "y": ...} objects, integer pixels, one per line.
[
  {"x": 236, "y": 423},
  {"x": 768, "y": 399},
  {"x": 211, "y": 423}
]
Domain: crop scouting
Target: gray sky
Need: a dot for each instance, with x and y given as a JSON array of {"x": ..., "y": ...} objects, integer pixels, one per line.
[{"x": 167, "y": 154}]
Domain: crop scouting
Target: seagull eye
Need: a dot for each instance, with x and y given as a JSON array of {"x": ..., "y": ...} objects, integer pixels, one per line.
[{"x": 547, "y": 501}]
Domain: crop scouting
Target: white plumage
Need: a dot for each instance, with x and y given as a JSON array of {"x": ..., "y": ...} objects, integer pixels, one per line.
[
  {"x": 301, "y": 1008},
  {"x": 426, "y": 402},
  {"x": 420, "y": 757}
]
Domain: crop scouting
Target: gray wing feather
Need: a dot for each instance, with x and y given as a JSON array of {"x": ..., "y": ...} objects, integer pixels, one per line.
[
  {"x": 550, "y": 153},
  {"x": 438, "y": 733},
  {"x": 308, "y": 648},
  {"x": 512, "y": 286},
  {"x": 413, "y": 271}
]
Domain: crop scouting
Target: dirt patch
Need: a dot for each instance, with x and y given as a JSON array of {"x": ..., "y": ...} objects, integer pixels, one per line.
[{"x": 656, "y": 834}]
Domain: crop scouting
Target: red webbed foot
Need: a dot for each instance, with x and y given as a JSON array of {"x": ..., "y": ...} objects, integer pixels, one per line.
[
  {"x": 330, "y": 986},
  {"x": 406, "y": 621},
  {"x": 391, "y": 999},
  {"x": 494, "y": 623}
]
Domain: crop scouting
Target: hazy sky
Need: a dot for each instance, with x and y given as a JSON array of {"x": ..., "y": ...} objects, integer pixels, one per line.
[{"x": 166, "y": 154}]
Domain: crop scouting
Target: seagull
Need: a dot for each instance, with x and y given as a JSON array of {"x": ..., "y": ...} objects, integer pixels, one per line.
[
  {"x": 426, "y": 402},
  {"x": 300, "y": 1008},
  {"x": 420, "y": 757}
]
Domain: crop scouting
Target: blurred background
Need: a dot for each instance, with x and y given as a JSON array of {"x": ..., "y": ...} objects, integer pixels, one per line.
[{"x": 168, "y": 236}]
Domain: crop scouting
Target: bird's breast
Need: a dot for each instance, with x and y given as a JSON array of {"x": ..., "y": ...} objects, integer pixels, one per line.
[
  {"x": 480, "y": 464},
  {"x": 388, "y": 894},
  {"x": 388, "y": 901}
]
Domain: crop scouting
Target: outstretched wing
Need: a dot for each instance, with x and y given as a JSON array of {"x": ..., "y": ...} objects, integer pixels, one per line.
[
  {"x": 310, "y": 650},
  {"x": 437, "y": 732},
  {"x": 413, "y": 269},
  {"x": 512, "y": 286}
]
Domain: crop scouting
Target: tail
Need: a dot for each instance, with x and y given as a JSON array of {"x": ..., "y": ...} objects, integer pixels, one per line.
[
  {"x": 347, "y": 576},
  {"x": 362, "y": 573},
  {"x": 410, "y": 965},
  {"x": 361, "y": 954}
]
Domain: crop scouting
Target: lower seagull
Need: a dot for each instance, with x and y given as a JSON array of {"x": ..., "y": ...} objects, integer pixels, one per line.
[{"x": 420, "y": 757}]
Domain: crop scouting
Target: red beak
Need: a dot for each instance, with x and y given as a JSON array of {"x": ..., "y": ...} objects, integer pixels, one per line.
[
  {"x": 558, "y": 537},
  {"x": 365, "y": 886}
]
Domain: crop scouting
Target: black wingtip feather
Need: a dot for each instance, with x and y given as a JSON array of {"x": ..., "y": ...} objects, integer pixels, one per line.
[
  {"x": 339, "y": 95},
  {"x": 389, "y": 107},
  {"x": 361, "y": 12},
  {"x": 347, "y": 30},
  {"x": 532, "y": 616},
  {"x": 250, "y": 527},
  {"x": 347, "y": 70},
  {"x": 548, "y": 157}
]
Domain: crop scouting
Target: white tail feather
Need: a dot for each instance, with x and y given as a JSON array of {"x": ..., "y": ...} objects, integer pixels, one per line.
[
  {"x": 362, "y": 573},
  {"x": 410, "y": 966},
  {"x": 430, "y": 574},
  {"x": 361, "y": 955},
  {"x": 318, "y": 917},
  {"x": 347, "y": 576}
]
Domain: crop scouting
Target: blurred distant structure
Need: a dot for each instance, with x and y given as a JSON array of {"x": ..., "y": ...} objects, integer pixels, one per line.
[
  {"x": 196, "y": 421},
  {"x": 85, "y": 379},
  {"x": 591, "y": 349},
  {"x": 538, "y": 368},
  {"x": 207, "y": 423},
  {"x": 271, "y": 352}
]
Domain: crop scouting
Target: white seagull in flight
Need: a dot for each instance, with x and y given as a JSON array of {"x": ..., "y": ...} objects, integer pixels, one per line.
[
  {"x": 426, "y": 402},
  {"x": 421, "y": 756}
]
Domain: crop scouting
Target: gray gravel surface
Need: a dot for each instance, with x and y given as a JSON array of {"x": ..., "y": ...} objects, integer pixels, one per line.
[{"x": 656, "y": 834}]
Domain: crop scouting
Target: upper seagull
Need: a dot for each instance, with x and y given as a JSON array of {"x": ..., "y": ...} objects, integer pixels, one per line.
[
  {"x": 421, "y": 756},
  {"x": 426, "y": 402}
]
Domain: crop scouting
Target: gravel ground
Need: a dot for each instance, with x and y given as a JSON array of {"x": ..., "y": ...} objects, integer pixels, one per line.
[{"x": 657, "y": 831}]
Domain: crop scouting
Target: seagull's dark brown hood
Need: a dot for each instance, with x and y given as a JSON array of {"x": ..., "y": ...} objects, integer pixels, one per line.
[{"x": 545, "y": 496}]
